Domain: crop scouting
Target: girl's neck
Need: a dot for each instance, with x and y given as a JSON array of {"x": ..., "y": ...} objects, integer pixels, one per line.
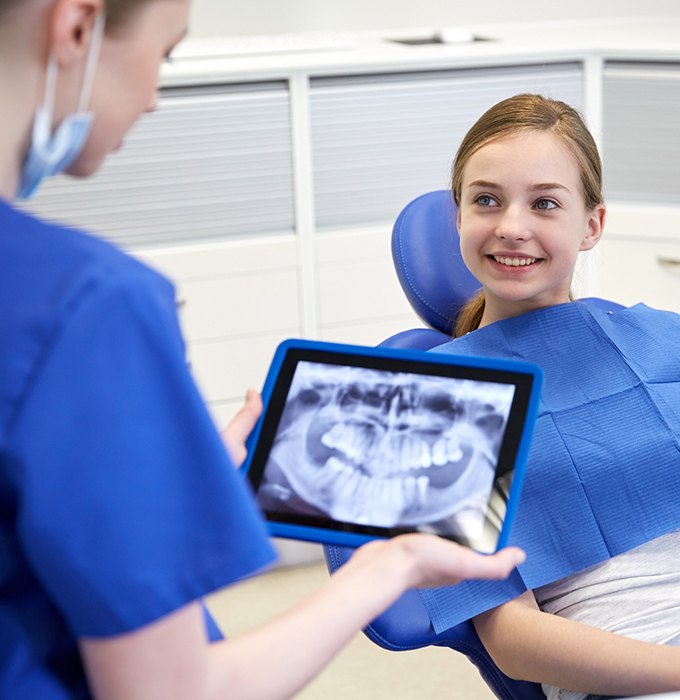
[{"x": 494, "y": 312}]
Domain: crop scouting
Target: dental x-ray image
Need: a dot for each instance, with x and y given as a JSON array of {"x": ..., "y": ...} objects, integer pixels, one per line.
[{"x": 390, "y": 449}]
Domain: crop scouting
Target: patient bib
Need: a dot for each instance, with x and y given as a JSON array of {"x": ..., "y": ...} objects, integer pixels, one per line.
[{"x": 603, "y": 474}]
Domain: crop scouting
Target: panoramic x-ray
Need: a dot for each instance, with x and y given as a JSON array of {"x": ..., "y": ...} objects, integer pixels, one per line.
[{"x": 387, "y": 449}]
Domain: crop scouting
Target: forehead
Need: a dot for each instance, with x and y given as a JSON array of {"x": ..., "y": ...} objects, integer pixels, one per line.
[{"x": 535, "y": 156}]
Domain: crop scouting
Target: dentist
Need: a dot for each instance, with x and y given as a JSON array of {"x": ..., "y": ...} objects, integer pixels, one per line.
[{"x": 119, "y": 505}]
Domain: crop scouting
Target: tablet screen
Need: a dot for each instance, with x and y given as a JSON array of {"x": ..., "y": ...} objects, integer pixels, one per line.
[{"x": 382, "y": 445}]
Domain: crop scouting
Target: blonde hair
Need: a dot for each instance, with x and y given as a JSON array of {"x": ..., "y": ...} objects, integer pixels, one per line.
[
  {"x": 527, "y": 112},
  {"x": 118, "y": 12}
]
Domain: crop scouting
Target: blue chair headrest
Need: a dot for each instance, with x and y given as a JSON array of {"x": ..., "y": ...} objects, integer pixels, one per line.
[{"x": 427, "y": 258}]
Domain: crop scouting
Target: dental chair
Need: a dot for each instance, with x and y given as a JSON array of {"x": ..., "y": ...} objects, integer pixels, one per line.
[{"x": 437, "y": 284}]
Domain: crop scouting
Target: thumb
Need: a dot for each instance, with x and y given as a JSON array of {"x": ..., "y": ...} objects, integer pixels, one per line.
[{"x": 241, "y": 425}]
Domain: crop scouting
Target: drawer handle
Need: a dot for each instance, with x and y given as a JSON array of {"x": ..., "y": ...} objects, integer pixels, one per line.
[{"x": 669, "y": 262}]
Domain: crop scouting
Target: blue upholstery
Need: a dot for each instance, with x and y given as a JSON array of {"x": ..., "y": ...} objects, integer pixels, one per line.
[
  {"x": 437, "y": 284},
  {"x": 427, "y": 258}
]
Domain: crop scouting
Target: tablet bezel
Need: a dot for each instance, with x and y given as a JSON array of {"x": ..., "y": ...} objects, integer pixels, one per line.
[{"x": 524, "y": 376}]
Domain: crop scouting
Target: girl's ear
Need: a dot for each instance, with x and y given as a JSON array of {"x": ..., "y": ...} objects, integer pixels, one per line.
[
  {"x": 595, "y": 227},
  {"x": 70, "y": 28},
  {"x": 458, "y": 221}
]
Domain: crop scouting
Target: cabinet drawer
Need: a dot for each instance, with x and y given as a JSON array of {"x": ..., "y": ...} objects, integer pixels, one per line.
[
  {"x": 239, "y": 305},
  {"x": 357, "y": 282},
  {"x": 641, "y": 271},
  {"x": 372, "y": 333},
  {"x": 224, "y": 370}
]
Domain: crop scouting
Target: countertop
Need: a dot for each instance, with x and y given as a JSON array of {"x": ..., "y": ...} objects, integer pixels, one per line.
[{"x": 655, "y": 39}]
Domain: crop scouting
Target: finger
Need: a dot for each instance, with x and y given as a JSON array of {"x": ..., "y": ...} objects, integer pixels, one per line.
[
  {"x": 497, "y": 565},
  {"x": 244, "y": 421},
  {"x": 241, "y": 425}
]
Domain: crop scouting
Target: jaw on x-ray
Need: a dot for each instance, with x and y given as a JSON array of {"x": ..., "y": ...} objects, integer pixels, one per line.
[{"x": 387, "y": 449}]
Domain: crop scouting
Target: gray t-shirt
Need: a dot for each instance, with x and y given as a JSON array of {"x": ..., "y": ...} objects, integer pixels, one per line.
[{"x": 635, "y": 594}]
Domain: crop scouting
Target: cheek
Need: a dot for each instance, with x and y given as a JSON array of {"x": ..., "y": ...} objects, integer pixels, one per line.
[{"x": 469, "y": 245}]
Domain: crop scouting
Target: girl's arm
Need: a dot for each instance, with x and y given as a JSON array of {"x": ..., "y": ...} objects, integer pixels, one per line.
[
  {"x": 528, "y": 644},
  {"x": 171, "y": 659}
]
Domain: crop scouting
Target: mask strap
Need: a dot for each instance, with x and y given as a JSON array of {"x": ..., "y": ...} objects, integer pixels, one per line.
[
  {"x": 91, "y": 64},
  {"x": 90, "y": 69}
]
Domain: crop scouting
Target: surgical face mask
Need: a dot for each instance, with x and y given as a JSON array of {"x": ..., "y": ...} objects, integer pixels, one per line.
[{"x": 51, "y": 153}]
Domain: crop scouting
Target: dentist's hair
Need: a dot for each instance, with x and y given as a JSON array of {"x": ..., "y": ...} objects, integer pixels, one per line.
[
  {"x": 519, "y": 114},
  {"x": 118, "y": 12}
]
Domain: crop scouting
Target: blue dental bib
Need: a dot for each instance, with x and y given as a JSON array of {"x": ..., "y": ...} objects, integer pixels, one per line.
[{"x": 603, "y": 474}]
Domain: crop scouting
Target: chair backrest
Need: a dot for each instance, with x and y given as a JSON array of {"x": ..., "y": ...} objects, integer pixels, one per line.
[
  {"x": 437, "y": 283},
  {"x": 427, "y": 258}
]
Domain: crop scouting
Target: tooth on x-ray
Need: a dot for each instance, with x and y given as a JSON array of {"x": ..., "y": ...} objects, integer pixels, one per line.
[{"x": 392, "y": 449}]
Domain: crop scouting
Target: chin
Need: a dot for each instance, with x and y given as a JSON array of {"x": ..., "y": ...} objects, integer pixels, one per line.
[{"x": 84, "y": 167}]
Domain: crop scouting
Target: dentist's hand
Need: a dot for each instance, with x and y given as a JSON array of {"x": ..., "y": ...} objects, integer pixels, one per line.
[
  {"x": 240, "y": 427},
  {"x": 421, "y": 560}
]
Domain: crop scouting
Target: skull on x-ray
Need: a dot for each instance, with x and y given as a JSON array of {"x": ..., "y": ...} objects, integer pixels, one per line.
[{"x": 389, "y": 449}]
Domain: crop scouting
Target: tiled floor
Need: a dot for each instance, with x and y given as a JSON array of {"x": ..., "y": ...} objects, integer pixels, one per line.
[{"x": 363, "y": 671}]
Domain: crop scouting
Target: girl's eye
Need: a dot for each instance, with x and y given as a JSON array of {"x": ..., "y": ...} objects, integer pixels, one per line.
[
  {"x": 545, "y": 204},
  {"x": 486, "y": 200}
]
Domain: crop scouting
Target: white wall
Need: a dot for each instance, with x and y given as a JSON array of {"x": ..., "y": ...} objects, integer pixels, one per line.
[{"x": 217, "y": 17}]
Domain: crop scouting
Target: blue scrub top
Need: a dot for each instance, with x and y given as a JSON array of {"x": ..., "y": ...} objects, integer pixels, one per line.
[{"x": 118, "y": 502}]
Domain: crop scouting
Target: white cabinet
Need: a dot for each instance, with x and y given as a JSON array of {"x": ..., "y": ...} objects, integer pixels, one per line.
[
  {"x": 642, "y": 271},
  {"x": 641, "y": 131},
  {"x": 639, "y": 256},
  {"x": 237, "y": 300},
  {"x": 211, "y": 163}
]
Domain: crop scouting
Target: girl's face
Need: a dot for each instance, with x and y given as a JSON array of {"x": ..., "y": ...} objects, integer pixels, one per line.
[
  {"x": 126, "y": 81},
  {"x": 522, "y": 221}
]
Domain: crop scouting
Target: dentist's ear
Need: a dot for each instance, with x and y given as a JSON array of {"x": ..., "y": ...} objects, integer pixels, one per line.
[
  {"x": 70, "y": 29},
  {"x": 595, "y": 227}
]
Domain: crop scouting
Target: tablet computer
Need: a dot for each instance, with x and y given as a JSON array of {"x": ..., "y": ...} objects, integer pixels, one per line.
[{"x": 357, "y": 442}]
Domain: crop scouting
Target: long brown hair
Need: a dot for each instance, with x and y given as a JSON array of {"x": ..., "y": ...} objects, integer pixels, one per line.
[{"x": 527, "y": 112}]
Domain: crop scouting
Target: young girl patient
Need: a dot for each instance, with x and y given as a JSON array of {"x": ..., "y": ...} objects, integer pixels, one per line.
[{"x": 527, "y": 183}]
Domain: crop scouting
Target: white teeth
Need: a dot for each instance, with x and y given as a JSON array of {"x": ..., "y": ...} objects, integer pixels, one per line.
[
  {"x": 334, "y": 436},
  {"x": 514, "y": 262},
  {"x": 439, "y": 453},
  {"x": 454, "y": 452},
  {"x": 423, "y": 483},
  {"x": 356, "y": 446},
  {"x": 335, "y": 464}
]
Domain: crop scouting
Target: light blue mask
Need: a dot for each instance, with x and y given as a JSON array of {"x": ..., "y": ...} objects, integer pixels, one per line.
[{"x": 51, "y": 153}]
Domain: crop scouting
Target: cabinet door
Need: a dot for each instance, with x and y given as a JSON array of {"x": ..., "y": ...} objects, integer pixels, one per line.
[
  {"x": 210, "y": 163},
  {"x": 378, "y": 141},
  {"x": 633, "y": 271},
  {"x": 238, "y": 300},
  {"x": 641, "y": 132}
]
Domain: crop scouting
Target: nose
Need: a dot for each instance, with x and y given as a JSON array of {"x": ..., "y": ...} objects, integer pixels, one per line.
[{"x": 511, "y": 224}]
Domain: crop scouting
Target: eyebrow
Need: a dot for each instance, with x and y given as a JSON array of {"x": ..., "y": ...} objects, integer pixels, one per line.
[{"x": 538, "y": 187}]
